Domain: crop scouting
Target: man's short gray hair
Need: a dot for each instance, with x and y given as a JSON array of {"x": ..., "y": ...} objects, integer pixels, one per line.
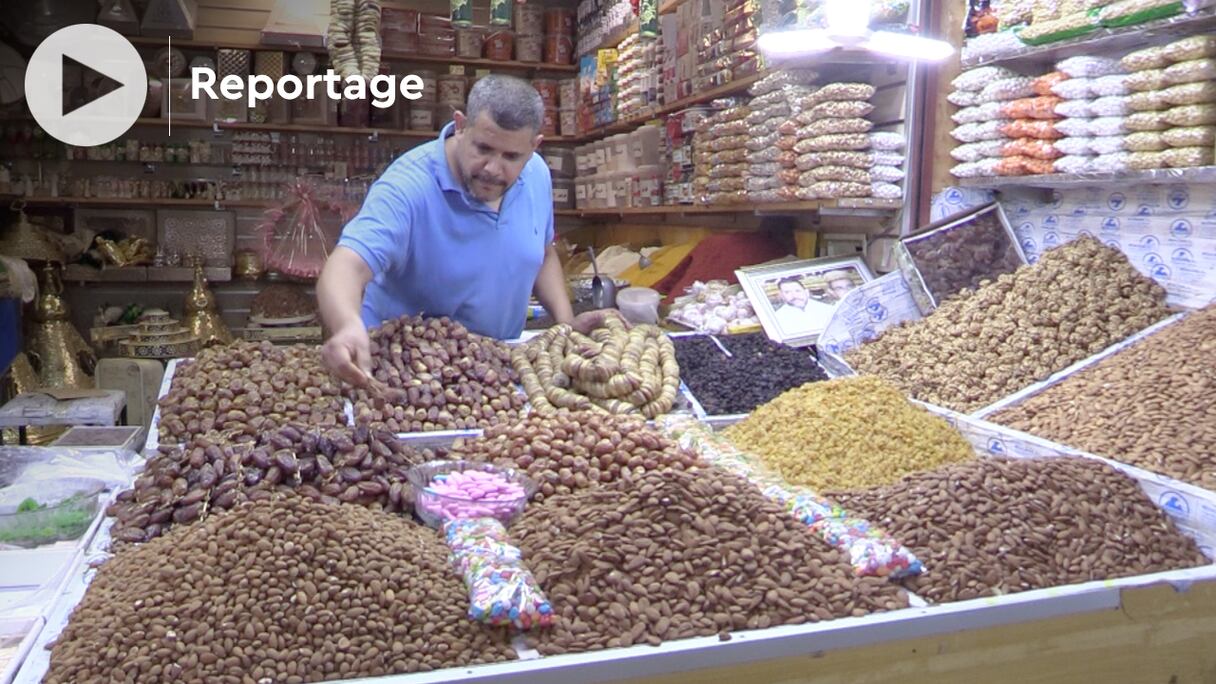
[{"x": 511, "y": 102}]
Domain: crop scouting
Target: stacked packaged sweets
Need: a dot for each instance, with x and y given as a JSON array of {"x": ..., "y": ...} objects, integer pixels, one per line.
[
  {"x": 836, "y": 151},
  {"x": 721, "y": 156},
  {"x": 979, "y": 119},
  {"x": 1094, "y": 104},
  {"x": 729, "y": 52},
  {"x": 1028, "y": 126},
  {"x": 772, "y": 172},
  {"x": 635, "y": 66},
  {"x": 1173, "y": 100}
]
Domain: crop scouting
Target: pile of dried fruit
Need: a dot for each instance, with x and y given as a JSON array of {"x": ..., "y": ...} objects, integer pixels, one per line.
[
  {"x": 964, "y": 256},
  {"x": 672, "y": 554},
  {"x": 182, "y": 485},
  {"x": 439, "y": 376},
  {"x": 289, "y": 590},
  {"x": 573, "y": 450},
  {"x": 1152, "y": 405},
  {"x": 279, "y": 300},
  {"x": 248, "y": 387},
  {"x": 757, "y": 370},
  {"x": 997, "y": 526},
  {"x": 986, "y": 344},
  {"x": 614, "y": 370},
  {"x": 847, "y": 433}
]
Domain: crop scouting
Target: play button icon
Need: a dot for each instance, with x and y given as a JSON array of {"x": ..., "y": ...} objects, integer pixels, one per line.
[{"x": 113, "y": 75}]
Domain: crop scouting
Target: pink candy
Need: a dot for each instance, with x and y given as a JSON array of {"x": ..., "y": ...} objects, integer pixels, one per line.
[{"x": 472, "y": 494}]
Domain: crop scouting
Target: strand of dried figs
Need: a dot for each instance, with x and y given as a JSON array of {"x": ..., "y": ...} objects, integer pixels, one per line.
[
  {"x": 438, "y": 376},
  {"x": 287, "y": 590},
  {"x": 996, "y": 526},
  {"x": 183, "y": 484},
  {"x": 572, "y": 450},
  {"x": 671, "y": 554}
]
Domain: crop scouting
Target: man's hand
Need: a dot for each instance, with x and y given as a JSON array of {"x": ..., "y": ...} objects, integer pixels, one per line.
[
  {"x": 590, "y": 320},
  {"x": 347, "y": 354}
]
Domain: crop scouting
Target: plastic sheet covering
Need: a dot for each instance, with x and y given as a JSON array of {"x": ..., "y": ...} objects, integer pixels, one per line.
[
  {"x": 502, "y": 591},
  {"x": 49, "y": 475}
]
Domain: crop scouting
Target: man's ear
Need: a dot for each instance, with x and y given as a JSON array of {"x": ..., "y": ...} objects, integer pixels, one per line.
[
  {"x": 460, "y": 120},
  {"x": 536, "y": 141}
]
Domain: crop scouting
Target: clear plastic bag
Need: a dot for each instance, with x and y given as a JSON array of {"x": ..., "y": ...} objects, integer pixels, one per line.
[
  {"x": 857, "y": 160},
  {"x": 1191, "y": 71},
  {"x": 1075, "y": 109},
  {"x": 728, "y": 170},
  {"x": 295, "y": 241},
  {"x": 1148, "y": 101},
  {"x": 1106, "y": 86},
  {"x": 1191, "y": 115},
  {"x": 1030, "y": 147},
  {"x": 764, "y": 156},
  {"x": 842, "y": 141},
  {"x": 1109, "y": 163},
  {"x": 835, "y": 189},
  {"x": 728, "y": 157},
  {"x": 966, "y": 170},
  {"x": 1145, "y": 121},
  {"x": 1073, "y": 128},
  {"x": 761, "y": 142},
  {"x": 836, "y": 173},
  {"x": 1148, "y": 58},
  {"x": 1106, "y": 125},
  {"x": 780, "y": 79},
  {"x": 51, "y": 475},
  {"x": 1144, "y": 142},
  {"x": 502, "y": 591},
  {"x": 789, "y": 176},
  {"x": 1032, "y": 128},
  {"x": 839, "y": 91},
  {"x": 968, "y": 115},
  {"x": 1190, "y": 136},
  {"x": 976, "y": 79},
  {"x": 888, "y": 141},
  {"x": 1106, "y": 144},
  {"x": 963, "y": 98},
  {"x": 883, "y": 190},
  {"x": 1190, "y": 93},
  {"x": 830, "y": 126},
  {"x": 1183, "y": 157},
  {"x": 1149, "y": 79},
  {"x": 786, "y": 143},
  {"x": 1043, "y": 85},
  {"x": 886, "y": 174},
  {"x": 1073, "y": 89},
  {"x": 1145, "y": 161},
  {"x": 1007, "y": 89},
  {"x": 1072, "y": 164},
  {"x": 728, "y": 128},
  {"x": 782, "y": 126},
  {"x": 884, "y": 158},
  {"x": 764, "y": 169},
  {"x": 1114, "y": 105},
  {"x": 1042, "y": 107},
  {"x": 1074, "y": 146},
  {"x": 841, "y": 109},
  {"x": 1084, "y": 66},
  {"x": 1194, "y": 47},
  {"x": 759, "y": 183}
]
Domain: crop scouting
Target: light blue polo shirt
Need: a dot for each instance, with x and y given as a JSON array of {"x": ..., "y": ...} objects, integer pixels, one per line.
[{"x": 435, "y": 250}]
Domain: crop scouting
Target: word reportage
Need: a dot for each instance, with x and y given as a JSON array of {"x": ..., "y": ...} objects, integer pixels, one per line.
[{"x": 254, "y": 88}]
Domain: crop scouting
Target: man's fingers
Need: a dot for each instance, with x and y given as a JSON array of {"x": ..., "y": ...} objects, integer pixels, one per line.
[
  {"x": 363, "y": 359},
  {"x": 351, "y": 373}
]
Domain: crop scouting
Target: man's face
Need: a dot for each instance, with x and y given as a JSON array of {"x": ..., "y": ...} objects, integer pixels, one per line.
[
  {"x": 840, "y": 287},
  {"x": 490, "y": 158},
  {"x": 794, "y": 294}
]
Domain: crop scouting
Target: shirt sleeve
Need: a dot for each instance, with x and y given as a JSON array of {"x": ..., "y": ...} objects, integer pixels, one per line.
[{"x": 380, "y": 232}]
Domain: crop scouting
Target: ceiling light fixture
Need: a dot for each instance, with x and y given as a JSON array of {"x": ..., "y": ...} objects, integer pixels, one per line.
[{"x": 847, "y": 27}]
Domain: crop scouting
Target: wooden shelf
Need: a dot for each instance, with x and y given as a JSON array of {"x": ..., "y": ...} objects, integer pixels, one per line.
[
  {"x": 767, "y": 208},
  {"x": 302, "y": 128},
  {"x": 614, "y": 38},
  {"x": 734, "y": 87},
  {"x": 1107, "y": 41},
  {"x": 140, "y": 201},
  {"x": 1195, "y": 174},
  {"x": 669, "y": 6},
  {"x": 392, "y": 55}
]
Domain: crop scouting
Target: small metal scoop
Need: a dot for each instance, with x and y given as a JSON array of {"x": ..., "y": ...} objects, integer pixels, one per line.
[{"x": 603, "y": 290}]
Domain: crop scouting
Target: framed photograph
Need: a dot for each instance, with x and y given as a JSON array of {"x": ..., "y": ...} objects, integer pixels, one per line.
[
  {"x": 179, "y": 103},
  {"x": 795, "y": 300}
]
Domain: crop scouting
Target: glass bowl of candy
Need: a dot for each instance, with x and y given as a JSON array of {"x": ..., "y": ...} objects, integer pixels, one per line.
[{"x": 448, "y": 490}]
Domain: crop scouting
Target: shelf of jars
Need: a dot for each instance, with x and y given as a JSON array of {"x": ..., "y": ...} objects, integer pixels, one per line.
[
  {"x": 301, "y": 128},
  {"x": 758, "y": 208}
]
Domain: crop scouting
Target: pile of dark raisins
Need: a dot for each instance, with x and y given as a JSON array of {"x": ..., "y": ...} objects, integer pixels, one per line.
[{"x": 758, "y": 370}]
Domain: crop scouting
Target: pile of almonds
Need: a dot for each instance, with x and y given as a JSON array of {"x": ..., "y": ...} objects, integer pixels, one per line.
[
  {"x": 671, "y": 554},
  {"x": 986, "y": 344},
  {"x": 568, "y": 450},
  {"x": 288, "y": 590},
  {"x": 181, "y": 485},
  {"x": 437, "y": 376},
  {"x": 996, "y": 526},
  {"x": 1151, "y": 405},
  {"x": 247, "y": 387}
]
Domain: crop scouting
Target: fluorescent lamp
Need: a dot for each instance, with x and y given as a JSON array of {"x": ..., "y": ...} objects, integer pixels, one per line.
[
  {"x": 911, "y": 47},
  {"x": 797, "y": 42},
  {"x": 848, "y": 17},
  {"x": 848, "y": 24}
]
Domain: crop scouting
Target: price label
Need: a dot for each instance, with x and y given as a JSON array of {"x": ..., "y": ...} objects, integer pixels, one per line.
[{"x": 456, "y": 70}]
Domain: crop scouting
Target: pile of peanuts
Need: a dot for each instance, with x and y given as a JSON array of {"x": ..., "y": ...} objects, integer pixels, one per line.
[
  {"x": 246, "y": 387},
  {"x": 1152, "y": 405},
  {"x": 181, "y": 485},
  {"x": 996, "y": 526},
  {"x": 847, "y": 433},
  {"x": 287, "y": 590},
  {"x": 986, "y": 344},
  {"x": 568, "y": 450},
  {"x": 614, "y": 370},
  {"x": 436, "y": 375},
  {"x": 671, "y": 554}
]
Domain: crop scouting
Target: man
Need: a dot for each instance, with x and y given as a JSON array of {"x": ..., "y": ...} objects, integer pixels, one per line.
[
  {"x": 839, "y": 284},
  {"x": 798, "y": 312},
  {"x": 461, "y": 227}
]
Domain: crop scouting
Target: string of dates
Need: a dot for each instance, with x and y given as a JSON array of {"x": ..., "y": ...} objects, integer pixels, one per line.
[{"x": 614, "y": 370}]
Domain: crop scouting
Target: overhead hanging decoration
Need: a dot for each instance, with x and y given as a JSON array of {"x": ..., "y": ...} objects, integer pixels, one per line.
[{"x": 353, "y": 37}]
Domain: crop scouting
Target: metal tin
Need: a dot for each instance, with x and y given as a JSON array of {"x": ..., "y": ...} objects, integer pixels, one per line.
[
  {"x": 462, "y": 13},
  {"x": 500, "y": 12},
  {"x": 529, "y": 48}
]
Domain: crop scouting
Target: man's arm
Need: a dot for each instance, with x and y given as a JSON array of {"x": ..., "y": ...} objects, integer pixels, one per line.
[
  {"x": 340, "y": 288},
  {"x": 550, "y": 288}
]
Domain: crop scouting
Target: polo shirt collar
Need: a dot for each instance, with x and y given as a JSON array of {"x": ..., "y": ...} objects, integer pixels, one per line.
[{"x": 443, "y": 172}]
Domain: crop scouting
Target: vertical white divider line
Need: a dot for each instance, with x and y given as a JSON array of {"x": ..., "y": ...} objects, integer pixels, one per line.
[{"x": 170, "y": 98}]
